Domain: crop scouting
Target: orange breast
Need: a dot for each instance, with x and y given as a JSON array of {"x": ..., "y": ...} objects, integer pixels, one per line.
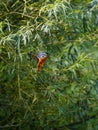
[{"x": 41, "y": 62}]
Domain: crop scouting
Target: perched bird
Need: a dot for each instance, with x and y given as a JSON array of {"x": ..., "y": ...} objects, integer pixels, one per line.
[
  {"x": 42, "y": 56},
  {"x": 41, "y": 59}
]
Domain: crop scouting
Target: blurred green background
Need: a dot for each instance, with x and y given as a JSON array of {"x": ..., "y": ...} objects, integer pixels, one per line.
[{"x": 64, "y": 95}]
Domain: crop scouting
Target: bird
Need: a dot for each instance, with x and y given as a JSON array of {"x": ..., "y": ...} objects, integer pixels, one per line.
[{"x": 40, "y": 58}]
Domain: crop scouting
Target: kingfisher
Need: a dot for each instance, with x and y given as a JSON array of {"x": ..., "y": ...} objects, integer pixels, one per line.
[
  {"x": 42, "y": 56},
  {"x": 41, "y": 59}
]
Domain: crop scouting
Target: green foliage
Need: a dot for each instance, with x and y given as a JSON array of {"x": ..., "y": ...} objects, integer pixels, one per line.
[{"x": 64, "y": 95}]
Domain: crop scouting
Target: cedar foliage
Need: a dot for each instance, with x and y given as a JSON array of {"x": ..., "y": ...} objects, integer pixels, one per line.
[{"x": 64, "y": 95}]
